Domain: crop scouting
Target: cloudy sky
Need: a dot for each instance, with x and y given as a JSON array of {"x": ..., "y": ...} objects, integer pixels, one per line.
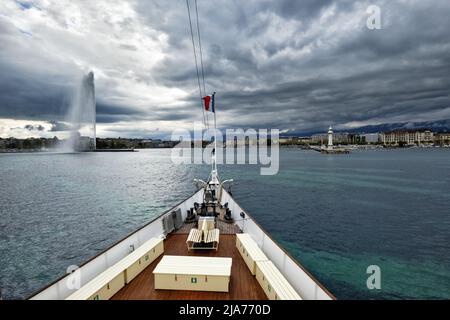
[{"x": 296, "y": 65}]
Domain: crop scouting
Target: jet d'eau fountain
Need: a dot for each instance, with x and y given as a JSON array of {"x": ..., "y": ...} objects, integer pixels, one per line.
[{"x": 81, "y": 117}]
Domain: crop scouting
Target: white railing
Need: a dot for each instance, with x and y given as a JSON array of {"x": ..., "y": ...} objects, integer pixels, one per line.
[
  {"x": 304, "y": 283},
  {"x": 61, "y": 288}
]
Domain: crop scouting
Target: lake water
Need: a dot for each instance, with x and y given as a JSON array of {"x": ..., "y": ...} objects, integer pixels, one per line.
[{"x": 337, "y": 214}]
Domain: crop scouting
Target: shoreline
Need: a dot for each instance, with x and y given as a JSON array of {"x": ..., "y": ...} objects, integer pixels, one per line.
[{"x": 349, "y": 147}]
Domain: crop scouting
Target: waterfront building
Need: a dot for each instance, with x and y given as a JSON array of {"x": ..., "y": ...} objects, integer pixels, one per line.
[
  {"x": 337, "y": 137},
  {"x": 442, "y": 138},
  {"x": 294, "y": 140},
  {"x": 370, "y": 138},
  {"x": 407, "y": 137},
  {"x": 286, "y": 140}
]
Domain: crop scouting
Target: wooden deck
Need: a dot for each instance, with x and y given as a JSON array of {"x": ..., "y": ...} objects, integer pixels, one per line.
[{"x": 243, "y": 286}]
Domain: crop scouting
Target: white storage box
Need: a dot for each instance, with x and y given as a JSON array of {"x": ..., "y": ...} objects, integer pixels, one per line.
[
  {"x": 193, "y": 273},
  {"x": 274, "y": 283},
  {"x": 249, "y": 251}
]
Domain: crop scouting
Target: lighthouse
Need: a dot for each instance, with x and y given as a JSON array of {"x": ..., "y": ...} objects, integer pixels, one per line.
[
  {"x": 330, "y": 138},
  {"x": 330, "y": 148}
]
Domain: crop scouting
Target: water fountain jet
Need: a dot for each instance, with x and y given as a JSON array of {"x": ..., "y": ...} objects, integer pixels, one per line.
[{"x": 82, "y": 117}]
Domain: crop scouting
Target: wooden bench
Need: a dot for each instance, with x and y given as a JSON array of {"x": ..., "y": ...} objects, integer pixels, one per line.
[
  {"x": 206, "y": 223},
  {"x": 195, "y": 236},
  {"x": 198, "y": 237},
  {"x": 213, "y": 237}
]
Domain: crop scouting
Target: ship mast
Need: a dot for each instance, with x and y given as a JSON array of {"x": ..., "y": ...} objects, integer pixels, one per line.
[{"x": 214, "y": 180}]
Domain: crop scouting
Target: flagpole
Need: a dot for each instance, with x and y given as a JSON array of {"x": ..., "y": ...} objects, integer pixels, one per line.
[
  {"x": 215, "y": 134},
  {"x": 214, "y": 176},
  {"x": 215, "y": 140}
]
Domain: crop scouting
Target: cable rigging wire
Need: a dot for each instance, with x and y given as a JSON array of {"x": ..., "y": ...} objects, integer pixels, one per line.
[
  {"x": 205, "y": 119},
  {"x": 200, "y": 47}
]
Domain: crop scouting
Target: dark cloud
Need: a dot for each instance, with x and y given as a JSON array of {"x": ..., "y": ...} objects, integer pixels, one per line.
[
  {"x": 59, "y": 126},
  {"x": 24, "y": 5},
  {"x": 106, "y": 109},
  {"x": 299, "y": 65},
  {"x": 301, "y": 10},
  {"x": 30, "y": 127}
]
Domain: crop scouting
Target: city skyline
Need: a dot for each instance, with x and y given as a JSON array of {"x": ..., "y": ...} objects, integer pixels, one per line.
[{"x": 295, "y": 66}]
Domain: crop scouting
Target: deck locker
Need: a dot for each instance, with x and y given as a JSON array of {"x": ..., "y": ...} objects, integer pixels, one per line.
[
  {"x": 102, "y": 287},
  {"x": 274, "y": 283},
  {"x": 141, "y": 258},
  {"x": 193, "y": 273},
  {"x": 111, "y": 288},
  {"x": 249, "y": 251},
  {"x": 109, "y": 282}
]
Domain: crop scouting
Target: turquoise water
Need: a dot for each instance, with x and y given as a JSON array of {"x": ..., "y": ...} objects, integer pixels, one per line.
[{"x": 337, "y": 214}]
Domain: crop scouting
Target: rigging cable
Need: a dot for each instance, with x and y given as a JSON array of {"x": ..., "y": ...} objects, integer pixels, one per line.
[
  {"x": 201, "y": 60},
  {"x": 200, "y": 47},
  {"x": 196, "y": 64}
]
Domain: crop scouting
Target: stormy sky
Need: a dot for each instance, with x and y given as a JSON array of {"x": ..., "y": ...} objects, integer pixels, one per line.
[{"x": 296, "y": 65}]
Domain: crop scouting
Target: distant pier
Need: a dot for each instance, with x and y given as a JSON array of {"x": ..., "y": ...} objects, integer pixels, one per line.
[
  {"x": 113, "y": 150},
  {"x": 335, "y": 151}
]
